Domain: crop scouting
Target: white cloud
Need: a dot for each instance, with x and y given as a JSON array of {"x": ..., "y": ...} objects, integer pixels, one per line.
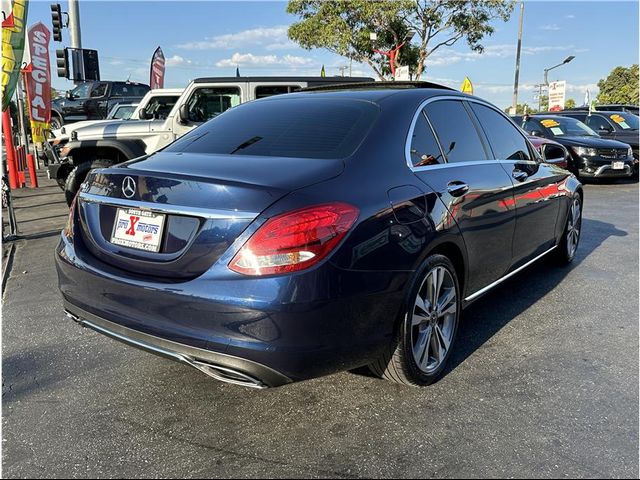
[
  {"x": 177, "y": 60},
  {"x": 552, "y": 27},
  {"x": 570, "y": 16},
  {"x": 442, "y": 58},
  {"x": 249, "y": 59},
  {"x": 271, "y": 38}
]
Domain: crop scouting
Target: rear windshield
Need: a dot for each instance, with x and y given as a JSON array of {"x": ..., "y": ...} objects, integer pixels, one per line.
[{"x": 301, "y": 127}]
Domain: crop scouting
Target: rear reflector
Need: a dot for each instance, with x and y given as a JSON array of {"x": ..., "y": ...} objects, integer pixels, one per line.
[{"x": 295, "y": 240}]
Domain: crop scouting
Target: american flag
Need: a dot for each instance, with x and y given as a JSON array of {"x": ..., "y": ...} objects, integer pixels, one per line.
[{"x": 157, "y": 69}]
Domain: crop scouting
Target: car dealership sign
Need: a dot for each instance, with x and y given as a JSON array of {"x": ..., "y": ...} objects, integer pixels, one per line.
[
  {"x": 556, "y": 95},
  {"x": 38, "y": 80}
]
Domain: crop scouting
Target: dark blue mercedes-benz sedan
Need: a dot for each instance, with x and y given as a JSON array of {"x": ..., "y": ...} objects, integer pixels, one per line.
[{"x": 304, "y": 234}]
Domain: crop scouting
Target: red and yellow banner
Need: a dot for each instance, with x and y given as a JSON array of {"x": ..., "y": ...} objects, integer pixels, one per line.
[
  {"x": 38, "y": 82},
  {"x": 13, "y": 33}
]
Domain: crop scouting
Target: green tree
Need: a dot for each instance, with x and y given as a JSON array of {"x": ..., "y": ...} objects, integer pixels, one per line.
[
  {"x": 621, "y": 86},
  {"x": 544, "y": 103},
  {"x": 344, "y": 27},
  {"x": 571, "y": 103},
  {"x": 522, "y": 108}
]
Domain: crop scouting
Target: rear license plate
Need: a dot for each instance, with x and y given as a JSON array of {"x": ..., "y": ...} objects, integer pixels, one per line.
[
  {"x": 138, "y": 229},
  {"x": 618, "y": 165}
]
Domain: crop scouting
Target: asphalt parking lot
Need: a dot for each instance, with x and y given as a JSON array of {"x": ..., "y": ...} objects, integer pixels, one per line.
[{"x": 543, "y": 383}]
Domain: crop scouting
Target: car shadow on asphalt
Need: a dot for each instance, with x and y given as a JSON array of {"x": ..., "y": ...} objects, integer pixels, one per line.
[{"x": 486, "y": 317}]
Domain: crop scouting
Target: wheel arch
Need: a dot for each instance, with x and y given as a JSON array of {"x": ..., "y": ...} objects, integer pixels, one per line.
[{"x": 118, "y": 151}]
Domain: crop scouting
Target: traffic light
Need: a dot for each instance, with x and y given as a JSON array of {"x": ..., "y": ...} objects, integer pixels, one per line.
[
  {"x": 56, "y": 20},
  {"x": 91, "y": 64},
  {"x": 62, "y": 61}
]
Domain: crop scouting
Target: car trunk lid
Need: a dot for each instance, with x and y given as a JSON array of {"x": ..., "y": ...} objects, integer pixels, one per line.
[{"x": 190, "y": 207}]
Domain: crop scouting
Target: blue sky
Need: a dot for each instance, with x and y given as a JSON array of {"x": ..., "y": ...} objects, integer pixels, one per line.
[{"x": 210, "y": 38}]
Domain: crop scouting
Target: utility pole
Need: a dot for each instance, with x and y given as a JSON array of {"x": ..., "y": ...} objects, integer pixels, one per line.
[
  {"x": 515, "y": 83},
  {"x": 74, "y": 33}
]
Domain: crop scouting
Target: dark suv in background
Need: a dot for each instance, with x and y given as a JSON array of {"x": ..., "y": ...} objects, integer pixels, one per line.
[
  {"x": 621, "y": 126},
  {"x": 93, "y": 101},
  {"x": 591, "y": 156}
]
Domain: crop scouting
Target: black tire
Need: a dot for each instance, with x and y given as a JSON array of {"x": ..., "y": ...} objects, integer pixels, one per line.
[
  {"x": 399, "y": 363},
  {"x": 568, "y": 245},
  {"x": 56, "y": 122},
  {"x": 78, "y": 174}
]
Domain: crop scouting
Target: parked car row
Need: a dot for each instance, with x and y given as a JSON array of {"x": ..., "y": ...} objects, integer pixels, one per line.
[
  {"x": 314, "y": 232},
  {"x": 611, "y": 151}
]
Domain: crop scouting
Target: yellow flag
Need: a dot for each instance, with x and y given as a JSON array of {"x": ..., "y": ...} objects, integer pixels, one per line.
[{"x": 467, "y": 87}]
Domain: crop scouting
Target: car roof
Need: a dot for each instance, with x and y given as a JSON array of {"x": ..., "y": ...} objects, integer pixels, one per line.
[
  {"x": 375, "y": 93},
  {"x": 282, "y": 79}
]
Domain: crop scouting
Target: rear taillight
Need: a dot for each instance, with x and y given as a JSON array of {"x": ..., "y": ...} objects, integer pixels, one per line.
[
  {"x": 295, "y": 240},
  {"x": 68, "y": 229}
]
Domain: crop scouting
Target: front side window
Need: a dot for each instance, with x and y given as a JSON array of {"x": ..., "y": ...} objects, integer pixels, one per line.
[
  {"x": 82, "y": 91},
  {"x": 284, "y": 127},
  {"x": 505, "y": 140},
  {"x": 263, "y": 91},
  {"x": 424, "y": 146},
  {"x": 206, "y": 103},
  {"x": 457, "y": 134}
]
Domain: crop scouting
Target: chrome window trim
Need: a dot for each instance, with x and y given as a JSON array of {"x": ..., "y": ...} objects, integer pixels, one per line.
[
  {"x": 508, "y": 275},
  {"x": 407, "y": 144},
  {"x": 215, "y": 214}
]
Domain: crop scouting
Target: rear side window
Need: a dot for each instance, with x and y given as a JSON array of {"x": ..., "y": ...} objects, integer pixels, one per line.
[
  {"x": 263, "y": 91},
  {"x": 284, "y": 127},
  {"x": 456, "y": 132},
  {"x": 128, "y": 90},
  {"x": 424, "y": 146},
  {"x": 506, "y": 142}
]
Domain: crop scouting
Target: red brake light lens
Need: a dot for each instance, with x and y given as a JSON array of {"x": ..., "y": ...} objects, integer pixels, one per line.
[
  {"x": 295, "y": 240},
  {"x": 68, "y": 229}
]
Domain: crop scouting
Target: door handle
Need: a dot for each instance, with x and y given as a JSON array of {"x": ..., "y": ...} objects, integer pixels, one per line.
[
  {"x": 519, "y": 175},
  {"x": 457, "y": 188}
]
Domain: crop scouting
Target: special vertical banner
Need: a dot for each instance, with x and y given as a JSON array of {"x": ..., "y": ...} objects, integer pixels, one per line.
[
  {"x": 38, "y": 80},
  {"x": 157, "y": 69}
]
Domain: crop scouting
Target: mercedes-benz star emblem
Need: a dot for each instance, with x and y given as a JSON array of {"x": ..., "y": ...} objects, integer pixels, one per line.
[{"x": 129, "y": 187}]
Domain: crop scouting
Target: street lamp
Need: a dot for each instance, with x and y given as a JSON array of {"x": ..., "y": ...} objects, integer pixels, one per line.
[{"x": 546, "y": 70}]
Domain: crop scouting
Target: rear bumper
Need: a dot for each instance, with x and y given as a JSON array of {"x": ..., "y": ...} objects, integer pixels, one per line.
[
  {"x": 293, "y": 327},
  {"x": 224, "y": 368}
]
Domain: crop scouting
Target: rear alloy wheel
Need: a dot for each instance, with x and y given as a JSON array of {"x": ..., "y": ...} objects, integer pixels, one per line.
[
  {"x": 428, "y": 328},
  {"x": 571, "y": 236}
]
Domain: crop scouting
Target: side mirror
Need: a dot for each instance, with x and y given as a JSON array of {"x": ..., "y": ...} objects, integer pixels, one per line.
[
  {"x": 536, "y": 133},
  {"x": 68, "y": 95},
  {"x": 554, "y": 154},
  {"x": 605, "y": 130},
  {"x": 183, "y": 112},
  {"x": 143, "y": 115}
]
